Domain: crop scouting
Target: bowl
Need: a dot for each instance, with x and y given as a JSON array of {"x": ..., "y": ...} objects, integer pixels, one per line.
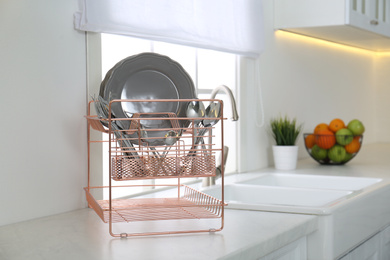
[{"x": 332, "y": 149}]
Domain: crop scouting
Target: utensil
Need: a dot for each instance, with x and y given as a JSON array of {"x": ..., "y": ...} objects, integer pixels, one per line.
[
  {"x": 145, "y": 138},
  {"x": 160, "y": 159},
  {"x": 124, "y": 142},
  {"x": 170, "y": 139},
  {"x": 195, "y": 109},
  {"x": 102, "y": 110},
  {"x": 212, "y": 114}
]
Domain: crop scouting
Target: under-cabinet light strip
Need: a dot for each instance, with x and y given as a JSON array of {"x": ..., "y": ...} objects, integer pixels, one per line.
[{"x": 291, "y": 35}]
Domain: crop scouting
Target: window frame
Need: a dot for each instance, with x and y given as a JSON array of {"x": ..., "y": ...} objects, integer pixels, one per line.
[{"x": 94, "y": 76}]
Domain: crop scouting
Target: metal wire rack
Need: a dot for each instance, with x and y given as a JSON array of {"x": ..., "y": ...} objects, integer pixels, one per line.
[{"x": 150, "y": 146}]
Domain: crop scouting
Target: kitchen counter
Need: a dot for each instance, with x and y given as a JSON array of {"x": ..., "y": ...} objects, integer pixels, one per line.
[
  {"x": 373, "y": 160},
  {"x": 81, "y": 234}
]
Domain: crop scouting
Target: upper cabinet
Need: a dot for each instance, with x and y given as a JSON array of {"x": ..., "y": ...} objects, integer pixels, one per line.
[{"x": 359, "y": 23}]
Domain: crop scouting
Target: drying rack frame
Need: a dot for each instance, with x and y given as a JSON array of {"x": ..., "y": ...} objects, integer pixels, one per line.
[{"x": 187, "y": 158}]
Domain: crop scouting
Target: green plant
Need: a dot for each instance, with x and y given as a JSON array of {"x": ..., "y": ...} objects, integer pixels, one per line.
[{"x": 285, "y": 131}]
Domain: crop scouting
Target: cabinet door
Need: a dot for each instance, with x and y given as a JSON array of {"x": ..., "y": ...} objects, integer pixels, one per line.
[
  {"x": 385, "y": 244},
  {"x": 358, "y": 23},
  {"x": 369, "y": 250},
  {"x": 375, "y": 248},
  {"x": 294, "y": 251},
  {"x": 372, "y": 16}
]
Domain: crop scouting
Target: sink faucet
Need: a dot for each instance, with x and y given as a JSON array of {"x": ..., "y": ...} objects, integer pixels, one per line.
[
  {"x": 222, "y": 161},
  {"x": 232, "y": 100},
  {"x": 208, "y": 181}
]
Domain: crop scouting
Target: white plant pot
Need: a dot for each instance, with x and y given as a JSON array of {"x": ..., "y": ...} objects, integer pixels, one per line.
[{"x": 285, "y": 156}]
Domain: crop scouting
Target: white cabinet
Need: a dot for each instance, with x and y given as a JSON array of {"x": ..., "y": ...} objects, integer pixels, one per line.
[
  {"x": 385, "y": 244},
  {"x": 375, "y": 248},
  {"x": 369, "y": 250},
  {"x": 293, "y": 251},
  {"x": 359, "y": 23}
]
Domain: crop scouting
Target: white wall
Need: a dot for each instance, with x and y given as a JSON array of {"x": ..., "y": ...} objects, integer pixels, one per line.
[
  {"x": 315, "y": 83},
  {"x": 42, "y": 101},
  {"x": 382, "y": 98}
]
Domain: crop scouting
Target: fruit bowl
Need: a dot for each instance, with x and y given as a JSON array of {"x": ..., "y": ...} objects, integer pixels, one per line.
[{"x": 332, "y": 149}]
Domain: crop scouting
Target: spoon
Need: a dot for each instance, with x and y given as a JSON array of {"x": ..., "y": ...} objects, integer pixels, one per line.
[
  {"x": 213, "y": 112},
  {"x": 195, "y": 109},
  {"x": 170, "y": 139}
]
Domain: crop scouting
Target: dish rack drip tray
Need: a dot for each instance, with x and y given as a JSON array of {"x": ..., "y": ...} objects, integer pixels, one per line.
[{"x": 192, "y": 205}]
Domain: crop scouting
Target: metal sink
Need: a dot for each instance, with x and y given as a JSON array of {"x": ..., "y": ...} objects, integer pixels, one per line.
[{"x": 313, "y": 181}]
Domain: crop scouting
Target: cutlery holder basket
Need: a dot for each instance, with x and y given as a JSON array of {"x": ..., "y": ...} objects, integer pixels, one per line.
[{"x": 150, "y": 167}]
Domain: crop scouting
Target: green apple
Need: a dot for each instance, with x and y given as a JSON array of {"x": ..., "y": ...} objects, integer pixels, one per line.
[
  {"x": 348, "y": 156},
  {"x": 337, "y": 153},
  {"x": 318, "y": 153},
  {"x": 344, "y": 136},
  {"x": 356, "y": 127}
]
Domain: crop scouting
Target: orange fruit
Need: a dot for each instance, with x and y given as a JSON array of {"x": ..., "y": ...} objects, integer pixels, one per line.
[
  {"x": 320, "y": 127},
  {"x": 336, "y": 124},
  {"x": 325, "y": 139},
  {"x": 310, "y": 141},
  {"x": 354, "y": 146}
]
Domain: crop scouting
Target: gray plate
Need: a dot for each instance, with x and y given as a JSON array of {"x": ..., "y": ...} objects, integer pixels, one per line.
[{"x": 148, "y": 76}]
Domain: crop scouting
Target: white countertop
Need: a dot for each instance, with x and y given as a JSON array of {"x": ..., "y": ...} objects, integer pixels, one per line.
[
  {"x": 373, "y": 160},
  {"x": 81, "y": 234}
]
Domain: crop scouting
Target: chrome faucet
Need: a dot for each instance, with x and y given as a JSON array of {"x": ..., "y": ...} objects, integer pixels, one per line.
[
  {"x": 229, "y": 92},
  {"x": 222, "y": 160}
]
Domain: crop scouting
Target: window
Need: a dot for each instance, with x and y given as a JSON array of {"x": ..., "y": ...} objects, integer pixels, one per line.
[{"x": 208, "y": 69}]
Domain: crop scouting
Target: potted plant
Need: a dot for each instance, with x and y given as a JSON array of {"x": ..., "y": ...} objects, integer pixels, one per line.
[{"x": 285, "y": 131}]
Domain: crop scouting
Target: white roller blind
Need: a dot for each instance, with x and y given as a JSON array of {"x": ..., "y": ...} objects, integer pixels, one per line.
[{"x": 234, "y": 26}]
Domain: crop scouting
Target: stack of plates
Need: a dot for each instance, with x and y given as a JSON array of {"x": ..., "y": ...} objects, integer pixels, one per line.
[{"x": 148, "y": 76}]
